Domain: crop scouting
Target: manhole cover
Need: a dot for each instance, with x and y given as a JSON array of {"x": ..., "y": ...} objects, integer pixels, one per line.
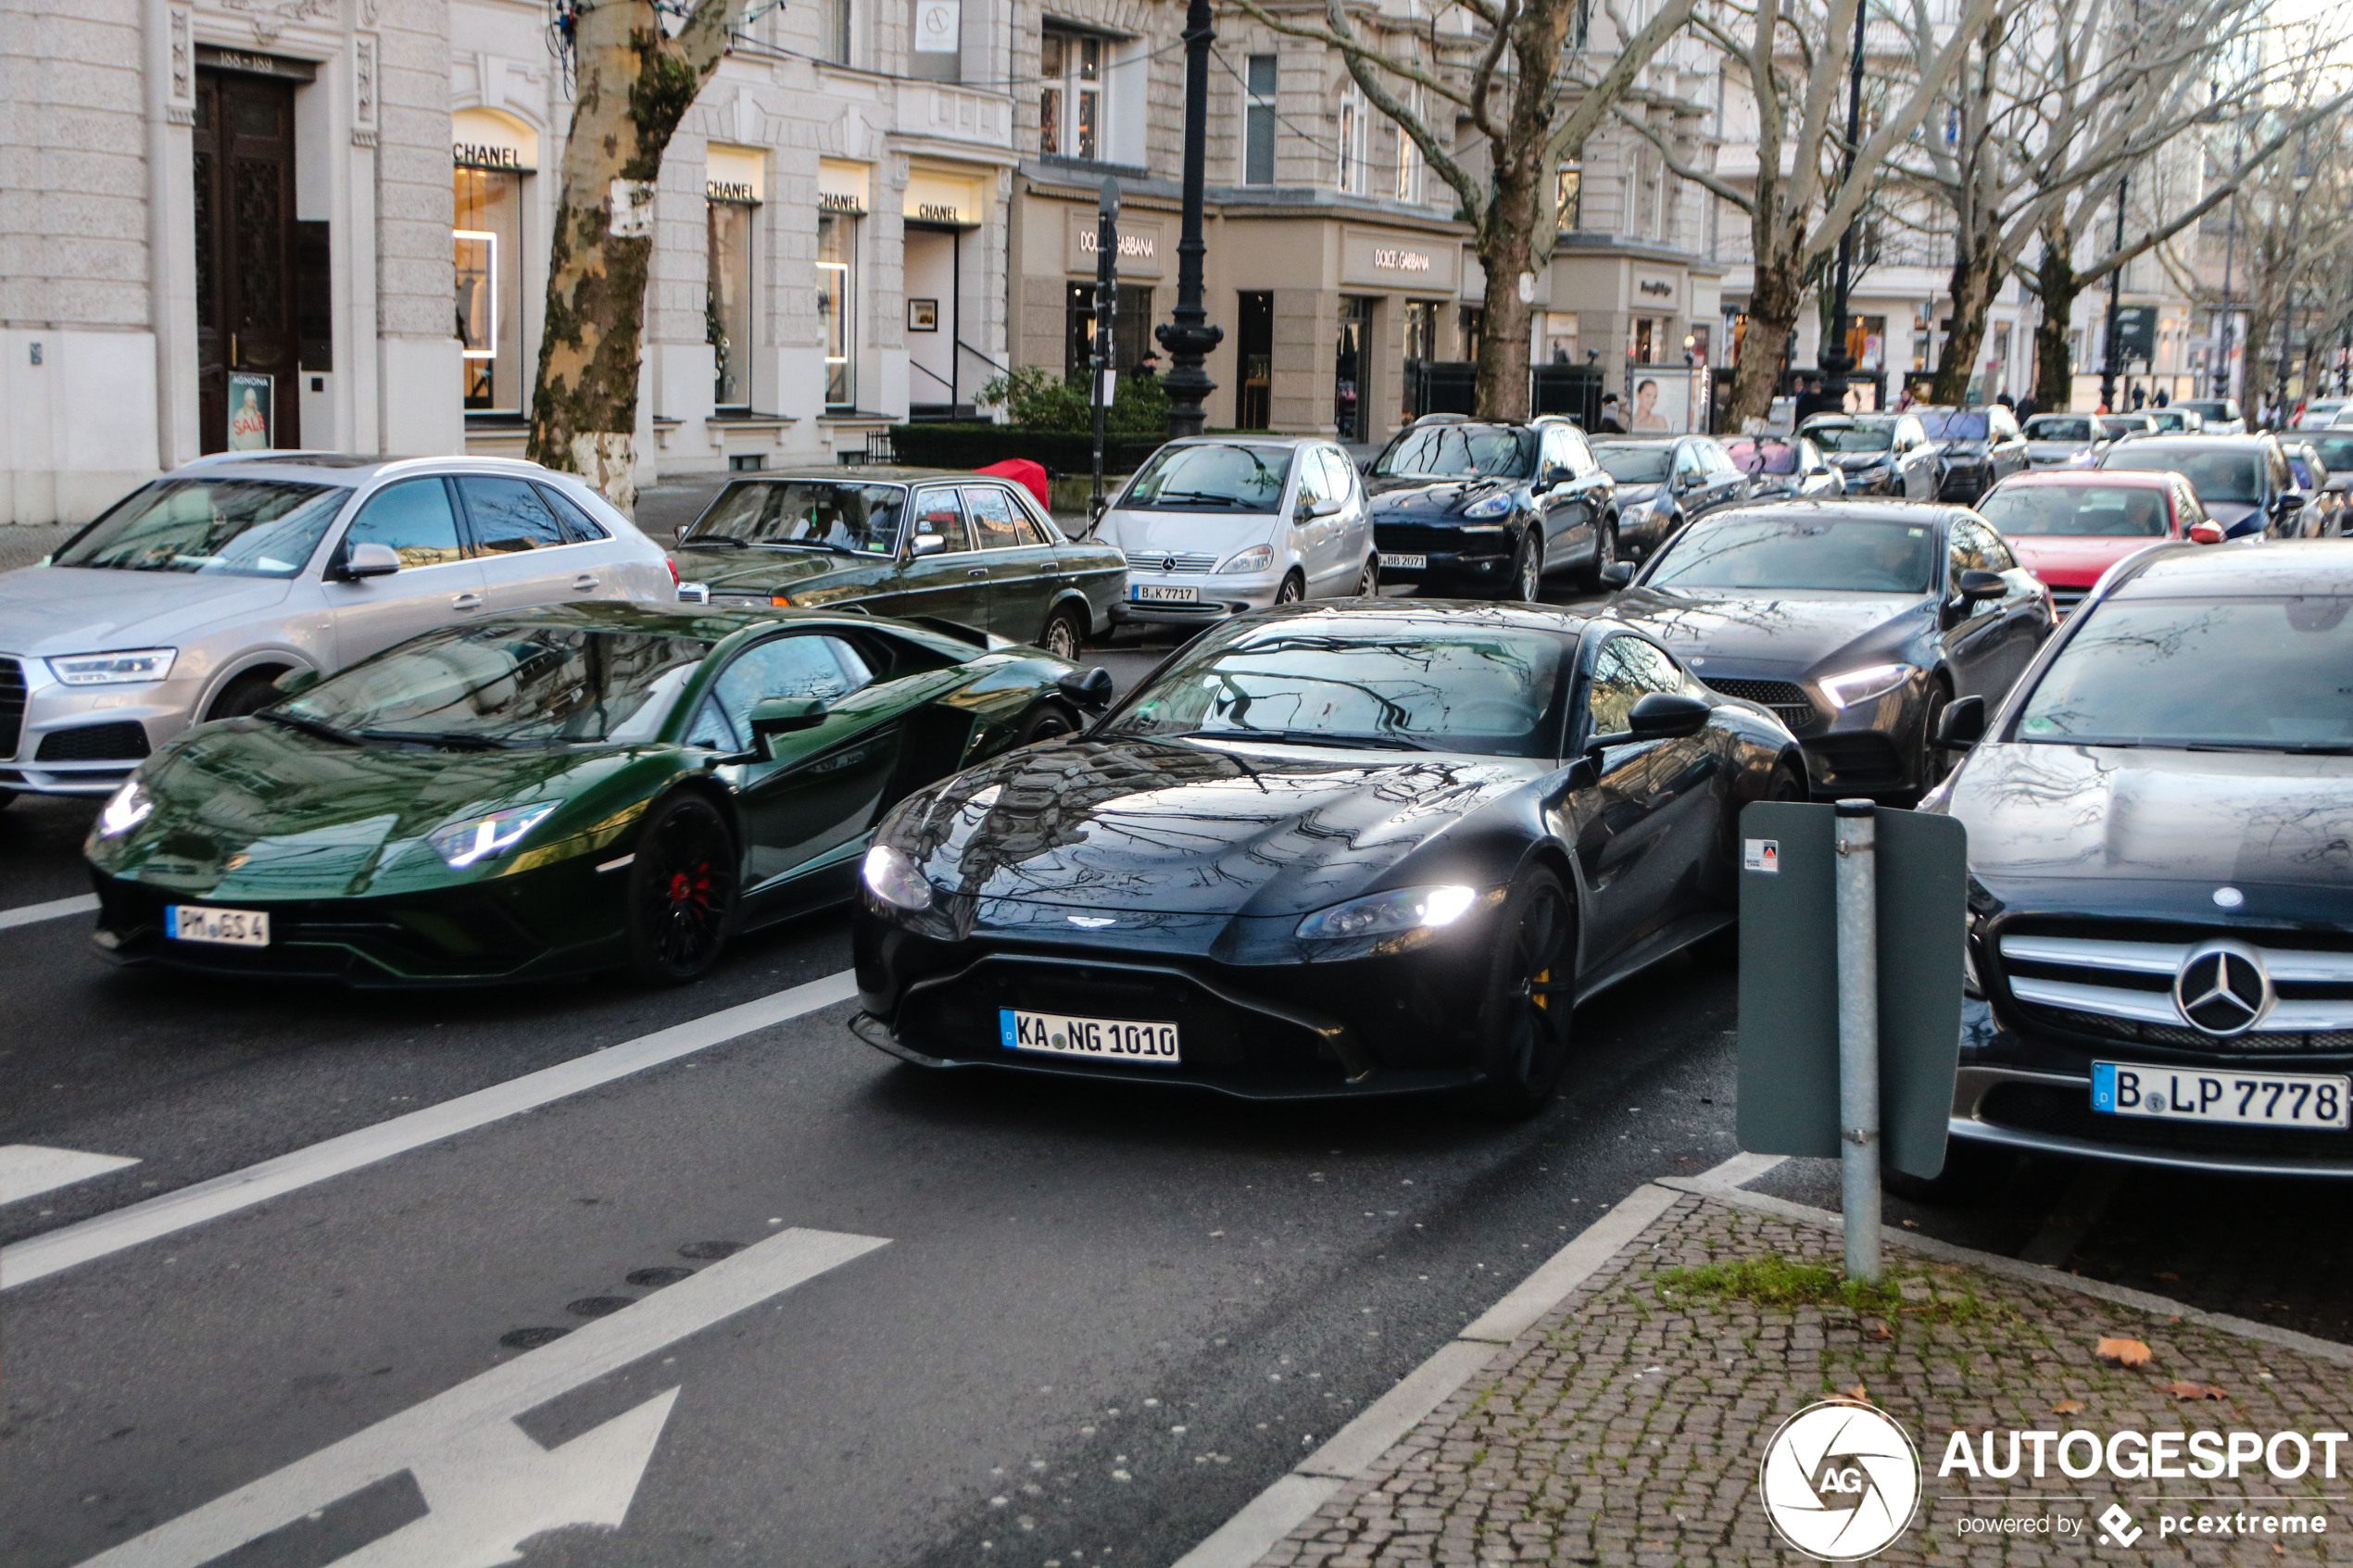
[
  {"x": 598, "y": 1306},
  {"x": 531, "y": 1338},
  {"x": 653, "y": 1279},
  {"x": 710, "y": 1249}
]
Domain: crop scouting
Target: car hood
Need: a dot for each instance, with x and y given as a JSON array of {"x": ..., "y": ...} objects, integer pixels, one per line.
[
  {"x": 1638, "y": 494},
  {"x": 1768, "y": 633},
  {"x": 2039, "y": 814},
  {"x": 1403, "y": 499},
  {"x": 2072, "y": 561},
  {"x": 1142, "y": 536},
  {"x": 2056, "y": 451},
  {"x": 251, "y": 809},
  {"x": 60, "y": 609},
  {"x": 1852, "y": 460},
  {"x": 1193, "y": 828},
  {"x": 757, "y": 569}
]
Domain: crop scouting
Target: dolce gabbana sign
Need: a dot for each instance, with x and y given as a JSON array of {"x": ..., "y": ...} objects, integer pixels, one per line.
[
  {"x": 1140, "y": 244},
  {"x": 1398, "y": 261}
]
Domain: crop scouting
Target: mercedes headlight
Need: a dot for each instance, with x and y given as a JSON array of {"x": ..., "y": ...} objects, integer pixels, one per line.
[
  {"x": 478, "y": 838},
  {"x": 125, "y": 809},
  {"x": 1852, "y": 686},
  {"x": 1258, "y": 557},
  {"x": 113, "y": 668},
  {"x": 893, "y": 878},
  {"x": 1498, "y": 505},
  {"x": 1384, "y": 914}
]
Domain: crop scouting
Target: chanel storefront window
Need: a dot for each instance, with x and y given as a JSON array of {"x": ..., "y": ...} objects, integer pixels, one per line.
[
  {"x": 836, "y": 255},
  {"x": 492, "y": 153},
  {"x": 731, "y": 189}
]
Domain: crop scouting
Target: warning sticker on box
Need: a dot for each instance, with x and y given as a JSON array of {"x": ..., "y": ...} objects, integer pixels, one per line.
[{"x": 1761, "y": 854}]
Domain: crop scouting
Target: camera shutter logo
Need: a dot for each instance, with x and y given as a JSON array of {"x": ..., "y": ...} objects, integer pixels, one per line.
[
  {"x": 2224, "y": 988},
  {"x": 1840, "y": 1481}
]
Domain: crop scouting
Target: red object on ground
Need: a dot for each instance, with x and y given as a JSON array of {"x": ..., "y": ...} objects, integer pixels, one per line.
[{"x": 1028, "y": 475}]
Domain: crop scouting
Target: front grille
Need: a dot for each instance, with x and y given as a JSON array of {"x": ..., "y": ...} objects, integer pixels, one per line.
[
  {"x": 2064, "y": 600},
  {"x": 2047, "y": 1108},
  {"x": 125, "y": 740},
  {"x": 1172, "y": 565},
  {"x": 1436, "y": 539},
  {"x": 2119, "y": 987},
  {"x": 11, "y": 704},
  {"x": 1786, "y": 698}
]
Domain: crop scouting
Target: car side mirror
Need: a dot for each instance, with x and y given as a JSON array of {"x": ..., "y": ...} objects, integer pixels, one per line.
[
  {"x": 1327, "y": 506},
  {"x": 1617, "y": 573},
  {"x": 1660, "y": 716},
  {"x": 1087, "y": 688},
  {"x": 1977, "y": 586},
  {"x": 294, "y": 682},
  {"x": 929, "y": 544},
  {"x": 2207, "y": 532},
  {"x": 1962, "y": 726},
  {"x": 2287, "y": 503},
  {"x": 782, "y": 715},
  {"x": 368, "y": 559}
]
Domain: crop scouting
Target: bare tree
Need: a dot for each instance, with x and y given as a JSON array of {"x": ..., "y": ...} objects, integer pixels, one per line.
[
  {"x": 1791, "y": 55},
  {"x": 637, "y": 69},
  {"x": 1532, "y": 101}
]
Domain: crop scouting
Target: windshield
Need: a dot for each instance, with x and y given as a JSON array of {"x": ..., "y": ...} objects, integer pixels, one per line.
[
  {"x": 1459, "y": 452},
  {"x": 1221, "y": 476},
  {"x": 508, "y": 686},
  {"x": 2058, "y": 427},
  {"x": 1851, "y": 438},
  {"x": 2336, "y": 451},
  {"x": 1762, "y": 456},
  {"x": 1851, "y": 555},
  {"x": 2208, "y": 409},
  {"x": 1420, "y": 685},
  {"x": 2114, "y": 425},
  {"x": 235, "y": 527},
  {"x": 1953, "y": 424},
  {"x": 2173, "y": 672},
  {"x": 2113, "y": 510},
  {"x": 1635, "y": 465},
  {"x": 863, "y": 517},
  {"x": 2216, "y": 476}
]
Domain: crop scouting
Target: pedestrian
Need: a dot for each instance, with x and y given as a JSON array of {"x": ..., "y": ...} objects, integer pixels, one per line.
[
  {"x": 2140, "y": 396},
  {"x": 2027, "y": 408},
  {"x": 1611, "y": 423},
  {"x": 1809, "y": 400},
  {"x": 2006, "y": 401},
  {"x": 2163, "y": 398}
]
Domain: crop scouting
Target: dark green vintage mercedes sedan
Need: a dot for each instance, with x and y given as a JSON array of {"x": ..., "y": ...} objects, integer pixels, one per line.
[
  {"x": 964, "y": 547},
  {"x": 567, "y": 791}
]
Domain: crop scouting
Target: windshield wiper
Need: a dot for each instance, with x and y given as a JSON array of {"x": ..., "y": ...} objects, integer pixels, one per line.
[
  {"x": 2294, "y": 747},
  {"x": 1316, "y": 738},
  {"x": 1167, "y": 495},
  {"x": 448, "y": 742},
  {"x": 816, "y": 545},
  {"x": 308, "y": 727},
  {"x": 693, "y": 540}
]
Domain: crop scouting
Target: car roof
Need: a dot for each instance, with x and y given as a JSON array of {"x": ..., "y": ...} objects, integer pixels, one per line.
[
  {"x": 1258, "y": 438},
  {"x": 1601, "y": 441},
  {"x": 2283, "y": 566},
  {"x": 1441, "y": 614},
  {"x": 2201, "y": 443},
  {"x": 860, "y": 473},
  {"x": 1840, "y": 510},
  {"x": 351, "y": 468},
  {"x": 712, "y": 623},
  {"x": 2130, "y": 479}
]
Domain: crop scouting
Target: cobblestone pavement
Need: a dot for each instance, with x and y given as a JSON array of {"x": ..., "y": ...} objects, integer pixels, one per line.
[
  {"x": 22, "y": 547},
  {"x": 1627, "y": 1426}
]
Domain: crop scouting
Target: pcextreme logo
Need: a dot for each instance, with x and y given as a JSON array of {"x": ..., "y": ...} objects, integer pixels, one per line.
[{"x": 1840, "y": 1481}]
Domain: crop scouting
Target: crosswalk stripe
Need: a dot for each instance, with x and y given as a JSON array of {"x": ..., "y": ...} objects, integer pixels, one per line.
[{"x": 55, "y": 909}]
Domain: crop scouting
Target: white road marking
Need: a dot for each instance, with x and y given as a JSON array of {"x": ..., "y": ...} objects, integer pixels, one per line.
[
  {"x": 28, "y": 1170},
  {"x": 488, "y": 1485},
  {"x": 41, "y": 1256},
  {"x": 1281, "y": 1508},
  {"x": 55, "y": 909}
]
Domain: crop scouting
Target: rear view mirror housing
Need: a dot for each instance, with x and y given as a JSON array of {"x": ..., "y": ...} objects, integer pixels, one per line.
[
  {"x": 1962, "y": 724},
  {"x": 776, "y": 716},
  {"x": 1977, "y": 586},
  {"x": 1617, "y": 573},
  {"x": 1660, "y": 716},
  {"x": 1089, "y": 688},
  {"x": 928, "y": 544},
  {"x": 367, "y": 559},
  {"x": 2207, "y": 532}
]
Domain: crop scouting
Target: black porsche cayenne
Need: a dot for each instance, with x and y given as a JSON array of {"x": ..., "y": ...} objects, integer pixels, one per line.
[
  {"x": 1490, "y": 509},
  {"x": 2160, "y": 840},
  {"x": 1366, "y": 850}
]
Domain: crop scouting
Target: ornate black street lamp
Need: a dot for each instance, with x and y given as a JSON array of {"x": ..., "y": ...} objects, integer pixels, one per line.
[
  {"x": 1189, "y": 337},
  {"x": 1837, "y": 362}
]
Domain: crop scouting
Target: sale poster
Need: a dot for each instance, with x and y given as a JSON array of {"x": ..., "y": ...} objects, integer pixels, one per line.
[{"x": 250, "y": 415}]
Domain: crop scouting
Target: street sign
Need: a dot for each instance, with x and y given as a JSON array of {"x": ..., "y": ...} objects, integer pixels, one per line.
[
  {"x": 1789, "y": 988},
  {"x": 487, "y": 1484}
]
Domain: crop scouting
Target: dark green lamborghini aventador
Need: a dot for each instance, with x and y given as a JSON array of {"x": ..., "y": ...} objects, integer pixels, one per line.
[{"x": 560, "y": 792}]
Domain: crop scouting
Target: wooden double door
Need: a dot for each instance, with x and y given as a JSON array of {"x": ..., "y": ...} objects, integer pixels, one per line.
[{"x": 248, "y": 353}]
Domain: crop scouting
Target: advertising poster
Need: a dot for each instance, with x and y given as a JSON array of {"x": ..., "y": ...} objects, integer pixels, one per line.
[
  {"x": 251, "y": 419},
  {"x": 1658, "y": 400}
]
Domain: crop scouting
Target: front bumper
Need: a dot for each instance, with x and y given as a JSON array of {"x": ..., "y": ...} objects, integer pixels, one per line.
[
  {"x": 1220, "y": 596},
  {"x": 56, "y": 739},
  {"x": 1965, "y": 481},
  {"x": 1476, "y": 557}
]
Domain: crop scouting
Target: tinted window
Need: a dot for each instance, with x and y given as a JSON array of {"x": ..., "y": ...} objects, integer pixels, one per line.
[
  {"x": 1850, "y": 438},
  {"x": 1488, "y": 689},
  {"x": 2170, "y": 673},
  {"x": 507, "y": 516},
  {"x": 2216, "y": 476},
  {"x": 2058, "y": 427},
  {"x": 579, "y": 527},
  {"x": 1846, "y": 554},
  {"x": 1635, "y": 465},
  {"x": 1460, "y": 452},
  {"x": 820, "y": 667},
  {"x": 1220, "y": 477},
  {"x": 236, "y": 527},
  {"x": 1315, "y": 480},
  {"x": 415, "y": 518},
  {"x": 2112, "y": 510},
  {"x": 1339, "y": 474},
  {"x": 937, "y": 513},
  {"x": 1990, "y": 548},
  {"x": 2336, "y": 451},
  {"x": 996, "y": 526},
  {"x": 806, "y": 512},
  {"x": 510, "y": 685},
  {"x": 1627, "y": 670}
]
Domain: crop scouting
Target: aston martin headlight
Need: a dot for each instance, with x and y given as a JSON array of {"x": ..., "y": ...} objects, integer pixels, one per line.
[
  {"x": 1852, "y": 686},
  {"x": 113, "y": 668},
  {"x": 124, "y": 810},
  {"x": 892, "y": 876},
  {"x": 1258, "y": 557},
  {"x": 478, "y": 838},
  {"x": 1498, "y": 505},
  {"x": 1384, "y": 914}
]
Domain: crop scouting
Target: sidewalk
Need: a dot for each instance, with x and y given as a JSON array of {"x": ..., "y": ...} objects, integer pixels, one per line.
[{"x": 1628, "y": 1423}]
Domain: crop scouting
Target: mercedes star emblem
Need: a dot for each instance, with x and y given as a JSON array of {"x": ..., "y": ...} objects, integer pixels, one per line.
[
  {"x": 2223, "y": 988},
  {"x": 1168, "y": 564}
]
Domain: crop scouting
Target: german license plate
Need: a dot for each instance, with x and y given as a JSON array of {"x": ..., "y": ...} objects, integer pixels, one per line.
[
  {"x": 227, "y": 928},
  {"x": 1405, "y": 563},
  {"x": 1100, "y": 1039},
  {"x": 2260, "y": 1100},
  {"x": 1155, "y": 593}
]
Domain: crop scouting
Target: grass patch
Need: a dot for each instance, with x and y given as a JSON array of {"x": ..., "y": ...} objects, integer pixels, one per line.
[{"x": 1778, "y": 1282}]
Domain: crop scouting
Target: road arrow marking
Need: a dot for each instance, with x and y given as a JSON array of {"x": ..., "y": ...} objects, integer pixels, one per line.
[
  {"x": 28, "y": 1170},
  {"x": 489, "y": 1485}
]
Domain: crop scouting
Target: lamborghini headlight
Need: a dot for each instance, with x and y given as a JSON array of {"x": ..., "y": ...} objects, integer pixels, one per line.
[
  {"x": 125, "y": 809},
  {"x": 478, "y": 838}
]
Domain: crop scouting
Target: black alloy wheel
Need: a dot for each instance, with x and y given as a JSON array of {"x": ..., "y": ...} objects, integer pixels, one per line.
[
  {"x": 1368, "y": 580},
  {"x": 246, "y": 694},
  {"x": 1294, "y": 590},
  {"x": 682, "y": 892},
  {"x": 1047, "y": 721},
  {"x": 1604, "y": 553},
  {"x": 1531, "y": 988},
  {"x": 1528, "y": 566},
  {"x": 1935, "y": 762},
  {"x": 1063, "y": 635}
]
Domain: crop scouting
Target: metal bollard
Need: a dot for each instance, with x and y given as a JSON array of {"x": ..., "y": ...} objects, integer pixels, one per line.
[{"x": 1857, "y": 838}]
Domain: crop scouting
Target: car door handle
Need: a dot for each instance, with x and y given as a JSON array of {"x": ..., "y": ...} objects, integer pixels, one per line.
[
  {"x": 585, "y": 581},
  {"x": 977, "y": 571},
  {"x": 466, "y": 602}
]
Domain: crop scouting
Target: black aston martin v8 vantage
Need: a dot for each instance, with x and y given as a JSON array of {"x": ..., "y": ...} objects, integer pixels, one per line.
[{"x": 1363, "y": 849}]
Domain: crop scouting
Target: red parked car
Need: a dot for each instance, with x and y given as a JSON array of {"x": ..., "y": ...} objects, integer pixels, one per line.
[{"x": 2068, "y": 526}]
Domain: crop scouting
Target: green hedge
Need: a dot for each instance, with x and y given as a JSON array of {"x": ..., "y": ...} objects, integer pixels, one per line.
[{"x": 945, "y": 446}]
